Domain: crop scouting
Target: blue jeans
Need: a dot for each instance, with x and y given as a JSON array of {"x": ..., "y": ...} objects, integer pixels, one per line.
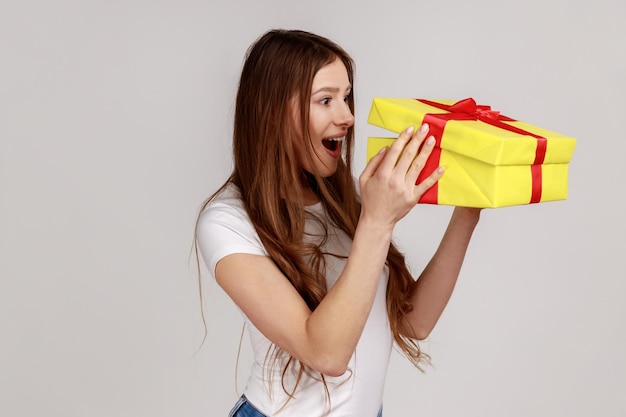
[{"x": 244, "y": 409}]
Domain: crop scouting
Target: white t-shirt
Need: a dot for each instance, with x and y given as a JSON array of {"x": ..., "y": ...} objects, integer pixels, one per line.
[{"x": 225, "y": 228}]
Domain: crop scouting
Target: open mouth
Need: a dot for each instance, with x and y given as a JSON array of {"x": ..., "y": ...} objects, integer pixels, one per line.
[{"x": 333, "y": 144}]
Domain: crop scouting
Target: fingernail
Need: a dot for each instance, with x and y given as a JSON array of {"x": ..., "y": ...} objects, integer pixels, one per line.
[
  {"x": 430, "y": 140},
  {"x": 382, "y": 150},
  {"x": 424, "y": 128},
  {"x": 409, "y": 130},
  {"x": 440, "y": 170}
]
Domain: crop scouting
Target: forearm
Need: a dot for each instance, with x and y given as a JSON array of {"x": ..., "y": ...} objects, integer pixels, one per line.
[
  {"x": 431, "y": 292},
  {"x": 336, "y": 325}
]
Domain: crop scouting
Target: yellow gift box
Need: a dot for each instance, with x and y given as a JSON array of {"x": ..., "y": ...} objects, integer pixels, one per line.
[{"x": 491, "y": 160}]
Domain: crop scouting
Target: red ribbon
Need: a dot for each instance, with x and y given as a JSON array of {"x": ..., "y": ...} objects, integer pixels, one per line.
[{"x": 467, "y": 109}]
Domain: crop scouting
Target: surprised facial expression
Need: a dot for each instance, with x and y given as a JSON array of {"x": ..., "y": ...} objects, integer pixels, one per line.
[{"x": 330, "y": 118}]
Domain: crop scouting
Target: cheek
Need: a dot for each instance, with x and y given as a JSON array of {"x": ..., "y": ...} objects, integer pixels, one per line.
[{"x": 316, "y": 124}]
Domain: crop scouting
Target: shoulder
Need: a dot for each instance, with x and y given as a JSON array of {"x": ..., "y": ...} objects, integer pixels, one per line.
[
  {"x": 225, "y": 228},
  {"x": 227, "y": 205},
  {"x": 227, "y": 211}
]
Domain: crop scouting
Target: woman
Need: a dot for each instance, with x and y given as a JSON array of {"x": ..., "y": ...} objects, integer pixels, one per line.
[{"x": 310, "y": 262}]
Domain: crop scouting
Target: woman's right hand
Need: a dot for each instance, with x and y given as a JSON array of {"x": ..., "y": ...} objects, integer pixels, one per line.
[{"x": 388, "y": 182}]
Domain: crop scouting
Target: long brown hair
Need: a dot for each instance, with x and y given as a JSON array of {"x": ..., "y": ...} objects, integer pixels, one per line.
[{"x": 279, "y": 68}]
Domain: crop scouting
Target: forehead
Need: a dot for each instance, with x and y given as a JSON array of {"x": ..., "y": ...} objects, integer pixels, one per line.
[{"x": 333, "y": 75}]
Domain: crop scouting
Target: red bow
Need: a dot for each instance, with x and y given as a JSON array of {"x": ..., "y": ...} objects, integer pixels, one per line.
[{"x": 469, "y": 106}]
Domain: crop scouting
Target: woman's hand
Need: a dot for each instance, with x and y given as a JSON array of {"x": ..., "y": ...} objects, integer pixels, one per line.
[{"x": 388, "y": 189}]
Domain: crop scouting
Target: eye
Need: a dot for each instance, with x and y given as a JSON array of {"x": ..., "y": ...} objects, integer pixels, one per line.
[{"x": 325, "y": 101}]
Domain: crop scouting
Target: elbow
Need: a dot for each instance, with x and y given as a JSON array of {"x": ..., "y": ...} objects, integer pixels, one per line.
[
  {"x": 416, "y": 332},
  {"x": 332, "y": 366},
  {"x": 421, "y": 334},
  {"x": 334, "y": 371},
  {"x": 329, "y": 358}
]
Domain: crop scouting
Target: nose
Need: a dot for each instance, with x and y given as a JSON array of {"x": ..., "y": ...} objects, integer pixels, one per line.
[{"x": 344, "y": 116}]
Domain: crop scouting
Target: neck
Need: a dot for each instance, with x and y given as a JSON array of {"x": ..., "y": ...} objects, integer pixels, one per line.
[{"x": 310, "y": 197}]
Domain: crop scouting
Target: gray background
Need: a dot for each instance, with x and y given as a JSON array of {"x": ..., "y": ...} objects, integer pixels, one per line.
[{"x": 115, "y": 122}]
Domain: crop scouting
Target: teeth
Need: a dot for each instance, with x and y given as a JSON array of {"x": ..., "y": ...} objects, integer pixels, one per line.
[{"x": 337, "y": 139}]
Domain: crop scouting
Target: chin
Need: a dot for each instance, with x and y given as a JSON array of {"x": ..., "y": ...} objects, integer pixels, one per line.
[
  {"x": 326, "y": 172},
  {"x": 323, "y": 168}
]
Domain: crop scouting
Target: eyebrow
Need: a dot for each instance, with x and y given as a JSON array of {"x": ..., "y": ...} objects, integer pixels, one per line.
[{"x": 330, "y": 90}]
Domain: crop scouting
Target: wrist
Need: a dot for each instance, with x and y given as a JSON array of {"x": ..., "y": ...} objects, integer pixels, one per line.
[
  {"x": 466, "y": 215},
  {"x": 374, "y": 228}
]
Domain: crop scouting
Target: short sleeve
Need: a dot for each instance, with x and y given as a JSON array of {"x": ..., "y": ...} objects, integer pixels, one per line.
[{"x": 224, "y": 228}]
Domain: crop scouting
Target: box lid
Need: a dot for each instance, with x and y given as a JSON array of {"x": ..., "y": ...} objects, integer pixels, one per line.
[{"x": 476, "y": 139}]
